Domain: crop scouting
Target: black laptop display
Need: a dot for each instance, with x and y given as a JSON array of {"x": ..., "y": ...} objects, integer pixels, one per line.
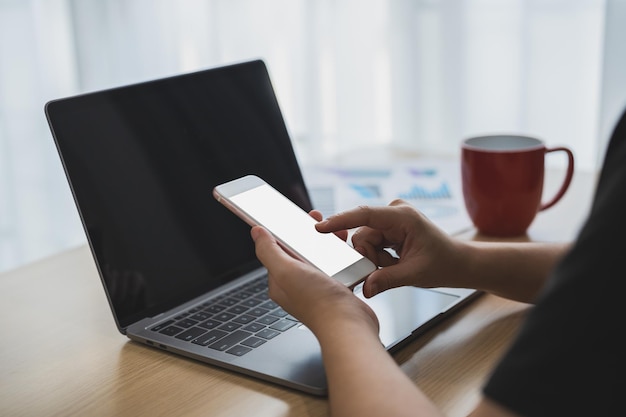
[{"x": 142, "y": 162}]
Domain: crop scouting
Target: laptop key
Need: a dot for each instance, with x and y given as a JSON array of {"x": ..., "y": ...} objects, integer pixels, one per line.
[
  {"x": 283, "y": 325},
  {"x": 214, "y": 309},
  {"x": 202, "y": 315},
  {"x": 230, "y": 340},
  {"x": 210, "y": 324},
  {"x": 171, "y": 330},
  {"x": 258, "y": 312},
  {"x": 253, "y": 342},
  {"x": 229, "y": 327},
  {"x": 254, "y": 327},
  {"x": 209, "y": 337},
  {"x": 264, "y": 296},
  {"x": 267, "y": 319},
  {"x": 251, "y": 302},
  {"x": 238, "y": 350},
  {"x": 244, "y": 319},
  {"x": 229, "y": 302},
  {"x": 190, "y": 334},
  {"x": 224, "y": 316},
  {"x": 242, "y": 295},
  {"x": 279, "y": 312},
  {"x": 237, "y": 309},
  {"x": 270, "y": 305},
  {"x": 268, "y": 334},
  {"x": 186, "y": 323}
]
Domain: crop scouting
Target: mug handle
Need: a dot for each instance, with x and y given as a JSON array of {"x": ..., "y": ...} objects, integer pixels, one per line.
[{"x": 568, "y": 177}]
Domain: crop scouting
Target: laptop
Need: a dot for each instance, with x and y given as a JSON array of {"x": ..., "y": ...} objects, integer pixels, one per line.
[{"x": 178, "y": 269}]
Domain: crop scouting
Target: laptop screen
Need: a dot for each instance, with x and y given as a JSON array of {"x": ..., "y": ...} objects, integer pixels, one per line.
[{"x": 142, "y": 161}]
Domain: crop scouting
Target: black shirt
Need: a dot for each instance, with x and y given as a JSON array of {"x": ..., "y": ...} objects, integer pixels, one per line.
[{"x": 569, "y": 356}]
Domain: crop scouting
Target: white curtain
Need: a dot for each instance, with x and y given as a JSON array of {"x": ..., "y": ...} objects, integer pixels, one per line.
[{"x": 413, "y": 76}]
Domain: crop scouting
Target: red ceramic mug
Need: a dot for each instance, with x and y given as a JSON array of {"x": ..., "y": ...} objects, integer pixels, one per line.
[{"x": 502, "y": 177}]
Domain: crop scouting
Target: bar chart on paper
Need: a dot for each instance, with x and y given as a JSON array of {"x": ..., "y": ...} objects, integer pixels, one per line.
[
  {"x": 432, "y": 186},
  {"x": 367, "y": 191},
  {"x": 420, "y": 192}
]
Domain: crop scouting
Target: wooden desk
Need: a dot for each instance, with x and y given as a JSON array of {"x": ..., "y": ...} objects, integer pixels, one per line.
[{"x": 62, "y": 355}]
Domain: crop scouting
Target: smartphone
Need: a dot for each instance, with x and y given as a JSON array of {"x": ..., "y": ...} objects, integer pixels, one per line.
[{"x": 258, "y": 203}]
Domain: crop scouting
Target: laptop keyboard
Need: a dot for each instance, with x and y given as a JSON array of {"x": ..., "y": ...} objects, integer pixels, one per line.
[{"x": 235, "y": 322}]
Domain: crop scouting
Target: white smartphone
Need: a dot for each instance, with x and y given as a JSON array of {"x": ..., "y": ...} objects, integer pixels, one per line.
[{"x": 258, "y": 203}]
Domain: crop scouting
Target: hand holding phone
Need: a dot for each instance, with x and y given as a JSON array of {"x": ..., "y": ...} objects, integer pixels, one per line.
[{"x": 258, "y": 203}]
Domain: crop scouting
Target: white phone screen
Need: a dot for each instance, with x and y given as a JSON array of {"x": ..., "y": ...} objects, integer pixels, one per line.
[{"x": 293, "y": 226}]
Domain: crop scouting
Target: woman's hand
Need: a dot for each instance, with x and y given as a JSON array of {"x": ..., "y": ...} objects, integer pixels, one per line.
[
  {"x": 307, "y": 293},
  {"x": 410, "y": 249}
]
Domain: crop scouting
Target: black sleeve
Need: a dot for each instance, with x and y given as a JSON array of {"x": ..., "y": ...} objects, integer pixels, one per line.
[{"x": 569, "y": 356}]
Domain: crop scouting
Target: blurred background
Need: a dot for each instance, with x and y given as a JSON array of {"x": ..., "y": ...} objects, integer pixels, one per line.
[{"x": 414, "y": 76}]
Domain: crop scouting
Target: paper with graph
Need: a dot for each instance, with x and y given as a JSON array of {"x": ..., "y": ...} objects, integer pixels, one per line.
[{"x": 431, "y": 185}]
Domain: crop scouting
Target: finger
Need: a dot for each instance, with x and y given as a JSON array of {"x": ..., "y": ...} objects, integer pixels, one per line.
[
  {"x": 366, "y": 236},
  {"x": 342, "y": 234},
  {"x": 372, "y": 243},
  {"x": 316, "y": 214},
  {"x": 379, "y": 256},
  {"x": 384, "y": 279},
  {"x": 267, "y": 249},
  {"x": 374, "y": 217}
]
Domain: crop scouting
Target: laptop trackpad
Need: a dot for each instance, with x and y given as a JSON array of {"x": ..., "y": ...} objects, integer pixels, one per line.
[{"x": 402, "y": 310}]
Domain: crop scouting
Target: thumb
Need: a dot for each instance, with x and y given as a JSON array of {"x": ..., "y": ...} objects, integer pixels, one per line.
[
  {"x": 266, "y": 247},
  {"x": 384, "y": 279},
  {"x": 261, "y": 236}
]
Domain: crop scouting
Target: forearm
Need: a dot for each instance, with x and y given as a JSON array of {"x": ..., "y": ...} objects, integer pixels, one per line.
[
  {"x": 363, "y": 378},
  {"x": 517, "y": 271}
]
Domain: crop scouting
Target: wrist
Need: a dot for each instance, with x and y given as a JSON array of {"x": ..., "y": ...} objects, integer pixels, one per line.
[
  {"x": 458, "y": 268},
  {"x": 344, "y": 320}
]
